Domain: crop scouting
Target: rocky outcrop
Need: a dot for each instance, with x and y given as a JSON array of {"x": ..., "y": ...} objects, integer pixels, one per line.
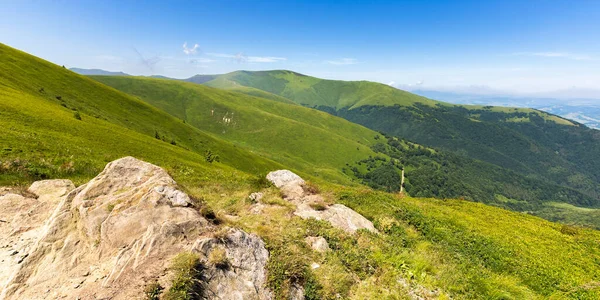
[
  {"x": 313, "y": 206},
  {"x": 282, "y": 178},
  {"x": 111, "y": 236},
  {"x": 240, "y": 275},
  {"x": 22, "y": 222}
]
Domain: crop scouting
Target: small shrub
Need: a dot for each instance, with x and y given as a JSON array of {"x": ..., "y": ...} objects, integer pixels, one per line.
[
  {"x": 261, "y": 182},
  {"x": 110, "y": 207},
  {"x": 173, "y": 142},
  {"x": 386, "y": 224},
  {"x": 153, "y": 291},
  {"x": 221, "y": 234},
  {"x": 77, "y": 115},
  {"x": 187, "y": 280},
  {"x": 58, "y": 97},
  {"x": 310, "y": 188},
  {"x": 320, "y": 206},
  {"x": 210, "y": 157},
  {"x": 218, "y": 258},
  {"x": 569, "y": 230},
  {"x": 208, "y": 213}
]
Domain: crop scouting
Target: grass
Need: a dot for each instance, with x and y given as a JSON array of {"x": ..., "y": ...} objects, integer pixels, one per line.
[
  {"x": 569, "y": 214},
  {"x": 309, "y": 141},
  {"x": 186, "y": 282},
  {"x": 312, "y": 91},
  {"x": 41, "y": 138}
]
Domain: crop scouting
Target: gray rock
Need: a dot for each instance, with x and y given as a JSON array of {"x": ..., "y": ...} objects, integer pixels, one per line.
[
  {"x": 244, "y": 276},
  {"x": 281, "y": 178},
  {"x": 296, "y": 292},
  {"x": 54, "y": 188},
  {"x": 256, "y": 197},
  {"x": 317, "y": 243},
  {"x": 338, "y": 216}
]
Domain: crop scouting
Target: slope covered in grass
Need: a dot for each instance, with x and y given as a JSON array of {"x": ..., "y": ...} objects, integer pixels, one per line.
[
  {"x": 56, "y": 123},
  {"x": 309, "y": 140},
  {"x": 312, "y": 91}
]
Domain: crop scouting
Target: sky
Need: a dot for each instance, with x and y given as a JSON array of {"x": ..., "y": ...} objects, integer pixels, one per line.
[{"x": 521, "y": 47}]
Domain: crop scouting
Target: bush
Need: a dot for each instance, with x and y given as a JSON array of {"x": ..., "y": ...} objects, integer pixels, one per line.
[
  {"x": 310, "y": 188},
  {"x": 187, "y": 279},
  {"x": 218, "y": 258},
  {"x": 569, "y": 230},
  {"x": 153, "y": 291},
  {"x": 210, "y": 157},
  {"x": 208, "y": 213},
  {"x": 320, "y": 206},
  {"x": 77, "y": 115},
  {"x": 261, "y": 182}
]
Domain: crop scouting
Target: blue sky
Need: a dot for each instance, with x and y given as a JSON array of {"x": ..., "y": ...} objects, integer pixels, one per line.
[{"x": 520, "y": 46}]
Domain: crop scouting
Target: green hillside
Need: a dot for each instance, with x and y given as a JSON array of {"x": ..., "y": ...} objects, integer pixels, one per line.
[
  {"x": 532, "y": 143},
  {"x": 309, "y": 140},
  {"x": 57, "y": 124},
  {"x": 311, "y": 91}
]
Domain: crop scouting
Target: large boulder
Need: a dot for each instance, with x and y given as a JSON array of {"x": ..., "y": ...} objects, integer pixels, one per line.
[
  {"x": 338, "y": 215},
  {"x": 241, "y": 274},
  {"x": 22, "y": 220},
  {"x": 110, "y": 237},
  {"x": 282, "y": 178}
]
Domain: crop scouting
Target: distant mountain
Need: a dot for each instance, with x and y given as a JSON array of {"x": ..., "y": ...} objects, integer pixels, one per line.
[
  {"x": 201, "y": 78},
  {"x": 583, "y": 110},
  {"x": 97, "y": 72}
]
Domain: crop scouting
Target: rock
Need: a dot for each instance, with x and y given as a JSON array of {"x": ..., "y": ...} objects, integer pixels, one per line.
[
  {"x": 338, "y": 216},
  {"x": 281, "y": 178},
  {"x": 51, "y": 188},
  {"x": 256, "y": 197},
  {"x": 317, "y": 243},
  {"x": 244, "y": 276},
  {"x": 125, "y": 224},
  {"x": 296, "y": 292},
  {"x": 315, "y": 266},
  {"x": 174, "y": 196},
  {"x": 257, "y": 208}
]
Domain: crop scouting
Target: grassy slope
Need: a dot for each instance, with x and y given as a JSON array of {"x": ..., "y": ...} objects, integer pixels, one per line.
[
  {"x": 498, "y": 252},
  {"x": 40, "y": 133},
  {"x": 311, "y": 91},
  {"x": 312, "y": 141}
]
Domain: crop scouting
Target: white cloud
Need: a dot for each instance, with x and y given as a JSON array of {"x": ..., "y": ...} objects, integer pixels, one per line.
[
  {"x": 343, "y": 62},
  {"x": 242, "y": 58},
  {"x": 192, "y": 50},
  {"x": 566, "y": 55}
]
